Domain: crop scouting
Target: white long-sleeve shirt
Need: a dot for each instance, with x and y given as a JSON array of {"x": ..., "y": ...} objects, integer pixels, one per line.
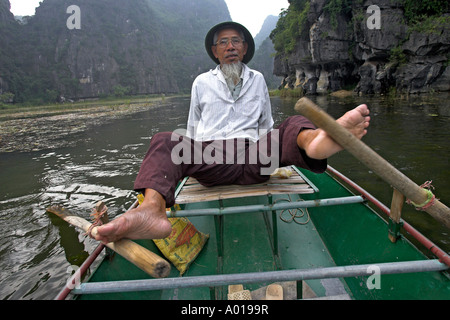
[{"x": 215, "y": 115}]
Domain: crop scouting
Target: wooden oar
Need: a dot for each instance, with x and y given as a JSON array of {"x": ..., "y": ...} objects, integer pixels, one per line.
[
  {"x": 144, "y": 259},
  {"x": 372, "y": 160}
]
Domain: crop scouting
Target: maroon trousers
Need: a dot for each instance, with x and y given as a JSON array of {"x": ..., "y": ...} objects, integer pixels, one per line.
[{"x": 171, "y": 157}]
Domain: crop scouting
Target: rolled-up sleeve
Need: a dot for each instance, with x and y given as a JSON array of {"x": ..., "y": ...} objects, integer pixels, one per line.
[
  {"x": 265, "y": 122},
  {"x": 194, "y": 112}
]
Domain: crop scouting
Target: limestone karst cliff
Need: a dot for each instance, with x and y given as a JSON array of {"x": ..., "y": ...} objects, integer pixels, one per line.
[
  {"x": 328, "y": 45},
  {"x": 121, "y": 47}
]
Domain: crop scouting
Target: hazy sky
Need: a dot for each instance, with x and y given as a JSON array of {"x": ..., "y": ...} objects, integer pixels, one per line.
[{"x": 250, "y": 13}]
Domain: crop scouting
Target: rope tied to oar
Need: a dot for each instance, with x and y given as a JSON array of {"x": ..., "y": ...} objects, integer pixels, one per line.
[
  {"x": 427, "y": 186},
  {"x": 98, "y": 213}
]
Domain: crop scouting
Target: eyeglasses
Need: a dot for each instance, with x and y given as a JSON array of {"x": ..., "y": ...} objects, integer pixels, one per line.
[{"x": 223, "y": 43}]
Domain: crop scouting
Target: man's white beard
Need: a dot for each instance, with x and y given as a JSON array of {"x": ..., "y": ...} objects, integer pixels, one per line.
[{"x": 232, "y": 72}]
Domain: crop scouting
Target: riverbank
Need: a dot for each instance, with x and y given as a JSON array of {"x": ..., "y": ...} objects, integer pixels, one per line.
[{"x": 25, "y": 129}]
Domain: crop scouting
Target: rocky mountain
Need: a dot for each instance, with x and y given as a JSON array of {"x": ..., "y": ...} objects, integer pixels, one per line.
[
  {"x": 269, "y": 24},
  {"x": 8, "y": 27},
  {"x": 263, "y": 60},
  {"x": 372, "y": 46},
  {"x": 120, "y": 47}
]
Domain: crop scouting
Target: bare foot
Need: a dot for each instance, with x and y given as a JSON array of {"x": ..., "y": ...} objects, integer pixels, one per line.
[
  {"x": 148, "y": 221},
  {"x": 319, "y": 145},
  {"x": 356, "y": 121}
]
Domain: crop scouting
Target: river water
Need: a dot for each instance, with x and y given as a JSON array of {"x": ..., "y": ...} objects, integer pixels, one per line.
[{"x": 38, "y": 250}]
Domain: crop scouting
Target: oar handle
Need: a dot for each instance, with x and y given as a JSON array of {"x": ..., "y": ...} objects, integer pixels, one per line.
[{"x": 371, "y": 159}]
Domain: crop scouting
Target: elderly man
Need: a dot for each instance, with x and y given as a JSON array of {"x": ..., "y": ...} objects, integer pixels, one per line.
[{"x": 229, "y": 120}]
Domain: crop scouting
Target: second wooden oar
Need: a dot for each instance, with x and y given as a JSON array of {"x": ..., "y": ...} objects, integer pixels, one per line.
[
  {"x": 372, "y": 160},
  {"x": 144, "y": 259}
]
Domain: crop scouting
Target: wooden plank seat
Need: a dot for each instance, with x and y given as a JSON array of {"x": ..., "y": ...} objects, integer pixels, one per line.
[{"x": 193, "y": 191}]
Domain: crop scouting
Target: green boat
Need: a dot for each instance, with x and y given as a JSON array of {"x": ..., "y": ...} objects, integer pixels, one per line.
[{"x": 315, "y": 236}]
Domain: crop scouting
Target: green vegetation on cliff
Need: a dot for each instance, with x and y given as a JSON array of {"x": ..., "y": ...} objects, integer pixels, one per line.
[
  {"x": 293, "y": 21},
  {"x": 328, "y": 45},
  {"x": 291, "y": 24}
]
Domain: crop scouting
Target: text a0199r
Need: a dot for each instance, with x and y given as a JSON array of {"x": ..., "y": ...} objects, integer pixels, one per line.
[{"x": 247, "y": 309}]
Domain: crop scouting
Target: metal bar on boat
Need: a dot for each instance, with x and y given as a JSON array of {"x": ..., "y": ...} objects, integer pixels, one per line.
[
  {"x": 272, "y": 276},
  {"x": 262, "y": 207}
]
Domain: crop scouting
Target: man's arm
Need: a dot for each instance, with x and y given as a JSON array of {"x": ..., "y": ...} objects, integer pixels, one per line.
[
  {"x": 265, "y": 122},
  {"x": 194, "y": 113}
]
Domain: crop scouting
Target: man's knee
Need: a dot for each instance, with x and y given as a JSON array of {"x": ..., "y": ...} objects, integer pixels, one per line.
[{"x": 162, "y": 137}]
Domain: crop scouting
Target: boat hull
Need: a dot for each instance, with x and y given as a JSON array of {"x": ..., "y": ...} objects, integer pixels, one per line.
[{"x": 325, "y": 237}]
